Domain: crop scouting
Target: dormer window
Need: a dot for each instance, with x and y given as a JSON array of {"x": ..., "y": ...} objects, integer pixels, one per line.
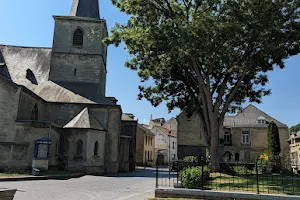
[
  {"x": 261, "y": 120},
  {"x": 78, "y": 37}
]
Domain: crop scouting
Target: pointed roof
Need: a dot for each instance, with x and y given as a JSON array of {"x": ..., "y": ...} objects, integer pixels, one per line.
[
  {"x": 86, "y": 120},
  {"x": 85, "y": 8},
  {"x": 146, "y": 130},
  {"x": 248, "y": 118}
]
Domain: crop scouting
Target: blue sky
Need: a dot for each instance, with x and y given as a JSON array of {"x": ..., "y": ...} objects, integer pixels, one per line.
[{"x": 30, "y": 23}]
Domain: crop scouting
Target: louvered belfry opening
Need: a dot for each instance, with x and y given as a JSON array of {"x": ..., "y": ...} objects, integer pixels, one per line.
[{"x": 78, "y": 37}]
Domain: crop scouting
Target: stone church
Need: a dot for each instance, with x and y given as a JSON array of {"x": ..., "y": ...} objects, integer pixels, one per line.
[{"x": 53, "y": 108}]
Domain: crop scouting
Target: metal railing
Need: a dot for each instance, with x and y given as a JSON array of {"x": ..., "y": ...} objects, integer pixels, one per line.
[{"x": 238, "y": 177}]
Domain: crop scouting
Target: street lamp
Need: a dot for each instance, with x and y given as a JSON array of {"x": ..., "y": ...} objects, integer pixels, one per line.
[
  {"x": 169, "y": 152},
  {"x": 169, "y": 143}
]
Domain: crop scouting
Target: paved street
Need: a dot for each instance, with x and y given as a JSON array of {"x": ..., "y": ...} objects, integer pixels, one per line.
[{"x": 138, "y": 185}]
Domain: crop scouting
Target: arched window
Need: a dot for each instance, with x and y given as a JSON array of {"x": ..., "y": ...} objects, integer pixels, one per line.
[
  {"x": 78, "y": 37},
  {"x": 79, "y": 147},
  {"x": 96, "y": 149},
  {"x": 75, "y": 72},
  {"x": 34, "y": 113},
  {"x": 237, "y": 157},
  {"x": 31, "y": 77}
]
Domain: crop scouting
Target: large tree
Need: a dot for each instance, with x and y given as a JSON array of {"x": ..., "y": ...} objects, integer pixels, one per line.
[
  {"x": 207, "y": 56},
  {"x": 295, "y": 129}
]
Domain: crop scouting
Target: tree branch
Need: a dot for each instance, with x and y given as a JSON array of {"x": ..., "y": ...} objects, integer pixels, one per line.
[{"x": 231, "y": 95}]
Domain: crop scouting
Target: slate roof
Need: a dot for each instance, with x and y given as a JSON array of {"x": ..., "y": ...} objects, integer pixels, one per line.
[
  {"x": 85, "y": 8},
  {"x": 18, "y": 60},
  {"x": 166, "y": 131},
  {"x": 145, "y": 129},
  {"x": 85, "y": 120},
  {"x": 126, "y": 117},
  {"x": 248, "y": 118}
]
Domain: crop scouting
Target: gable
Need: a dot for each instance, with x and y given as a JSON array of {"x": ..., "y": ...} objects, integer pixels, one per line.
[
  {"x": 85, "y": 120},
  {"x": 249, "y": 117}
]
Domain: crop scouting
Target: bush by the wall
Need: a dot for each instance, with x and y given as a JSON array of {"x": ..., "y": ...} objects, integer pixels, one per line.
[
  {"x": 190, "y": 159},
  {"x": 191, "y": 178}
]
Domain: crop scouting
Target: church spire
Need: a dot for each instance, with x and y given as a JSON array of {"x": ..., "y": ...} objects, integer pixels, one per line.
[{"x": 85, "y": 8}]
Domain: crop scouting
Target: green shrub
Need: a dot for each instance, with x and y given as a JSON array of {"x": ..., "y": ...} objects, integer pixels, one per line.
[
  {"x": 240, "y": 169},
  {"x": 191, "y": 178},
  {"x": 190, "y": 159}
]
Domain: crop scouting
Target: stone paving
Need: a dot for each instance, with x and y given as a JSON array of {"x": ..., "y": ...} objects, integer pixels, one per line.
[{"x": 138, "y": 185}]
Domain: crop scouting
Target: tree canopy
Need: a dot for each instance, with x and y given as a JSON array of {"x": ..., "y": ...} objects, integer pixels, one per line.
[
  {"x": 207, "y": 56},
  {"x": 295, "y": 129}
]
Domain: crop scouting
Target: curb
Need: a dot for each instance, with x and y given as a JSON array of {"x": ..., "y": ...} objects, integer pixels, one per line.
[
  {"x": 218, "y": 195},
  {"x": 35, "y": 178}
]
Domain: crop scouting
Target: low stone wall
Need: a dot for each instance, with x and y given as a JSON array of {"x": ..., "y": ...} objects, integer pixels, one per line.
[
  {"x": 7, "y": 194},
  {"x": 214, "y": 195}
]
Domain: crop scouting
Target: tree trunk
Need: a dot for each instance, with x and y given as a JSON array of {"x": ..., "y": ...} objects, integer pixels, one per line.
[{"x": 214, "y": 146}]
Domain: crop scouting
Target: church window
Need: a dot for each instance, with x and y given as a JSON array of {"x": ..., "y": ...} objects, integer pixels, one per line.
[
  {"x": 31, "y": 77},
  {"x": 34, "y": 113},
  {"x": 78, "y": 37},
  {"x": 96, "y": 149},
  {"x": 79, "y": 147},
  {"x": 237, "y": 157},
  {"x": 75, "y": 72}
]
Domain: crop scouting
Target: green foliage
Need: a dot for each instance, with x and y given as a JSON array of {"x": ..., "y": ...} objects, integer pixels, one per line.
[
  {"x": 240, "y": 169},
  {"x": 192, "y": 177},
  {"x": 209, "y": 56},
  {"x": 190, "y": 159},
  {"x": 295, "y": 129},
  {"x": 273, "y": 140},
  {"x": 274, "y": 146}
]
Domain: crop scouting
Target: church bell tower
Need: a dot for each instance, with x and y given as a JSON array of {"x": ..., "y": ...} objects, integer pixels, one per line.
[{"x": 78, "y": 61}]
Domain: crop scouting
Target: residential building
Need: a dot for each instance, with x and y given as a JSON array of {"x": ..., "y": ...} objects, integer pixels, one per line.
[
  {"x": 243, "y": 137},
  {"x": 165, "y": 144},
  {"x": 171, "y": 124},
  {"x": 53, "y": 107},
  {"x": 156, "y": 122},
  {"x": 145, "y": 147},
  {"x": 294, "y": 142}
]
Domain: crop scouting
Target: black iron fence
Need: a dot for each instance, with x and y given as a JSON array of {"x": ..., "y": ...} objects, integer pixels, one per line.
[{"x": 238, "y": 177}]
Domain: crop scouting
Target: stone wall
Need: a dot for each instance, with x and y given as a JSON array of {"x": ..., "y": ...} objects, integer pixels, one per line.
[
  {"x": 87, "y": 161},
  {"x": 79, "y": 65},
  {"x": 124, "y": 155},
  {"x": 258, "y": 143},
  {"x": 63, "y": 113},
  {"x": 9, "y": 100},
  {"x": 113, "y": 141},
  {"x": 19, "y": 154},
  {"x": 189, "y": 136},
  {"x": 27, "y": 102},
  {"x": 129, "y": 128},
  {"x": 190, "y": 142},
  {"x": 140, "y": 146},
  {"x": 95, "y": 163}
]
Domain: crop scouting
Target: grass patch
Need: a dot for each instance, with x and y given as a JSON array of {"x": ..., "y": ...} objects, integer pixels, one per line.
[
  {"x": 248, "y": 183},
  {"x": 15, "y": 173},
  {"x": 23, "y": 173},
  {"x": 169, "y": 199}
]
